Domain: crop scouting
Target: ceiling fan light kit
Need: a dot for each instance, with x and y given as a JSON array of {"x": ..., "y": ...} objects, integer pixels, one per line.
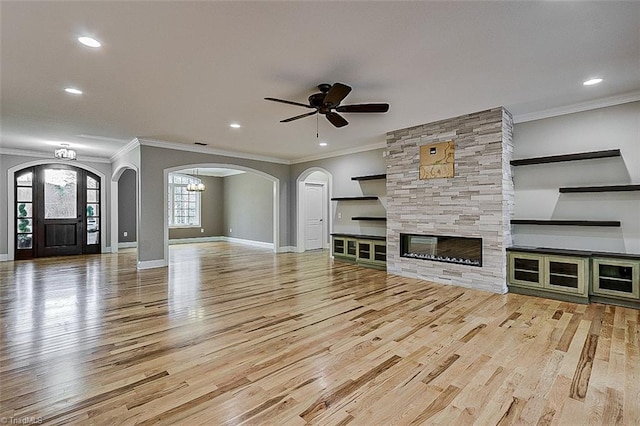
[{"x": 327, "y": 102}]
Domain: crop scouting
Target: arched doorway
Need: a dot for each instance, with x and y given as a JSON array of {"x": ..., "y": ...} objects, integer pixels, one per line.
[
  {"x": 313, "y": 189},
  {"x": 202, "y": 167},
  {"x": 58, "y": 211}
]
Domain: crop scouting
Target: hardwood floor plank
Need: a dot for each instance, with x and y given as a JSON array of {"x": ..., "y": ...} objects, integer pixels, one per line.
[{"x": 230, "y": 334}]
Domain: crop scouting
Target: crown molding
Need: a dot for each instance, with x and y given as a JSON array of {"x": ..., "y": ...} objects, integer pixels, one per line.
[
  {"x": 134, "y": 143},
  {"x": 207, "y": 150},
  {"x": 340, "y": 153},
  {"x": 580, "y": 107},
  {"x": 40, "y": 154}
]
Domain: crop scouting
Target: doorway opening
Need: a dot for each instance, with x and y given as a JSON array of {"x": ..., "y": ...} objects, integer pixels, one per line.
[
  {"x": 239, "y": 204},
  {"x": 57, "y": 210},
  {"x": 313, "y": 212}
]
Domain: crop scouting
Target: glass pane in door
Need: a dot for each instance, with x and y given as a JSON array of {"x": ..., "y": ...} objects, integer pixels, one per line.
[
  {"x": 25, "y": 241},
  {"x": 25, "y": 179},
  {"x": 92, "y": 183},
  {"x": 24, "y": 193},
  {"x": 60, "y": 194}
]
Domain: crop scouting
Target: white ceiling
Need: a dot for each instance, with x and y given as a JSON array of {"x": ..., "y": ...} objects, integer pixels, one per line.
[{"x": 183, "y": 71}]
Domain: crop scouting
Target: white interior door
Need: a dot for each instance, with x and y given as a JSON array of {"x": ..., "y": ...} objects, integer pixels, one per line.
[{"x": 314, "y": 216}]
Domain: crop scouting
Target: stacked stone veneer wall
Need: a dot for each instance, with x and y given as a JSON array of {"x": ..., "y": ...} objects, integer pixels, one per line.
[{"x": 477, "y": 202}]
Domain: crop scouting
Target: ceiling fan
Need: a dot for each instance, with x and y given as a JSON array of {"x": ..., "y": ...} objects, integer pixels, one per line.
[{"x": 327, "y": 102}]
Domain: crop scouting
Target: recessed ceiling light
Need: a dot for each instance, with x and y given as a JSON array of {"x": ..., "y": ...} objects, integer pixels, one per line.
[
  {"x": 235, "y": 125},
  {"x": 592, "y": 81},
  {"x": 73, "y": 91},
  {"x": 89, "y": 42},
  {"x": 323, "y": 144}
]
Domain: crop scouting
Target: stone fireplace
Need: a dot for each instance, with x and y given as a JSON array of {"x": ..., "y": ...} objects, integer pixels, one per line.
[{"x": 460, "y": 226}]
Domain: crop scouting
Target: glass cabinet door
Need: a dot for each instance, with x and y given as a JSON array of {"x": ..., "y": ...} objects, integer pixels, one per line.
[
  {"x": 616, "y": 277},
  {"x": 526, "y": 269}
]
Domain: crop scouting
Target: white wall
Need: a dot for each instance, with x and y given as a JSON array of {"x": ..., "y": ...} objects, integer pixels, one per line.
[{"x": 536, "y": 186}]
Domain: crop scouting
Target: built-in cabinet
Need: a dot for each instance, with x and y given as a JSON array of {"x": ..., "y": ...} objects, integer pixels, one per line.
[
  {"x": 616, "y": 278},
  {"x": 550, "y": 274},
  {"x": 367, "y": 250},
  {"x": 577, "y": 276},
  {"x": 570, "y": 274}
]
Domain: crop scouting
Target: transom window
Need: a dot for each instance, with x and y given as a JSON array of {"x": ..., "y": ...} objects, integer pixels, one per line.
[{"x": 183, "y": 205}]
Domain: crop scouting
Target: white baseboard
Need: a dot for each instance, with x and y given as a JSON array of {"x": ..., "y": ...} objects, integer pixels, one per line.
[
  {"x": 288, "y": 249},
  {"x": 4, "y": 257},
  {"x": 130, "y": 244},
  {"x": 195, "y": 240},
  {"x": 150, "y": 264},
  {"x": 249, "y": 242}
]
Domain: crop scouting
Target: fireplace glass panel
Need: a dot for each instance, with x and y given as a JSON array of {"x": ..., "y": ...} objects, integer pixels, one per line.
[{"x": 450, "y": 249}]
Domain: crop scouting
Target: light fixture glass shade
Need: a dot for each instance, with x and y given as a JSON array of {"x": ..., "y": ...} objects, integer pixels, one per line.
[
  {"x": 64, "y": 153},
  {"x": 195, "y": 187}
]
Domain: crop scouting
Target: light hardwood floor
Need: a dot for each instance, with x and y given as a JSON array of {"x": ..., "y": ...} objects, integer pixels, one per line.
[{"x": 230, "y": 334}]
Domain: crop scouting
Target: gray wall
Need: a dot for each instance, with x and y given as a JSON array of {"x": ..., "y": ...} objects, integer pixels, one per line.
[
  {"x": 211, "y": 213},
  {"x": 155, "y": 160},
  {"x": 536, "y": 186},
  {"x": 8, "y": 161},
  {"x": 248, "y": 207},
  {"x": 127, "y": 206},
  {"x": 342, "y": 168}
]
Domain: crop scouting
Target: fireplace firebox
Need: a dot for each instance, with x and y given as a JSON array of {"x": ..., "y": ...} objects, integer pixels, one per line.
[{"x": 439, "y": 248}]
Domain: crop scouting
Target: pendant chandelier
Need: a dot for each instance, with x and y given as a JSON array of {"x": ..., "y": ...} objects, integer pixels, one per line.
[
  {"x": 64, "y": 153},
  {"x": 196, "y": 187}
]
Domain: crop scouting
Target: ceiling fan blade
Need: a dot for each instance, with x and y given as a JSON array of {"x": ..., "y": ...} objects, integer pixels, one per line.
[
  {"x": 336, "y": 94},
  {"x": 286, "y": 120},
  {"x": 336, "y": 119},
  {"x": 363, "y": 108},
  {"x": 282, "y": 101}
]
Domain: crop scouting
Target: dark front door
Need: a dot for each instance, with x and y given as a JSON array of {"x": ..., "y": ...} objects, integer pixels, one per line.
[
  {"x": 63, "y": 215},
  {"x": 59, "y": 224}
]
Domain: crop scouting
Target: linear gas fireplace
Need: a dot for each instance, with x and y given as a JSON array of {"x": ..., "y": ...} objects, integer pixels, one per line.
[{"x": 462, "y": 250}]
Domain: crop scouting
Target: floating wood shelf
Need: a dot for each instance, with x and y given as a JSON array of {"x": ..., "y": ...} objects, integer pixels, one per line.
[
  {"x": 368, "y": 218},
  {"x": 607, "y": 188},
  {"x": 567, "y": 157},
  {"x": 370, "y": 177},
  {"x": 609, "y": 223},
  {"x": 354, "y": 198}
]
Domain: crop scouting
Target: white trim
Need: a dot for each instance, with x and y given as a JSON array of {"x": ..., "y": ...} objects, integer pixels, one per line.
[
  {"x": 130, "y": 244},
  {"x": 46, "y": 155},
  {"x": 11, "y": 220},
  {"x": 207, "y": 150},
  {"x": 288, "y": 249},
  {"x": 340, "y": 153},
  {"x": 195, "y": 240},
  {"x": 261, "y": 244},
  {"x": 300, "y": 185},
  {"x": 134, "y": 143},
  {"x": 580, "y": 107},
  {"x": 115, "y": 178},
  {"x": 325, "y": 203},
  {"x": 150, "y": 264},
  {"x": 4, "y": 257},
  {"x": 107, "y": 250}
]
